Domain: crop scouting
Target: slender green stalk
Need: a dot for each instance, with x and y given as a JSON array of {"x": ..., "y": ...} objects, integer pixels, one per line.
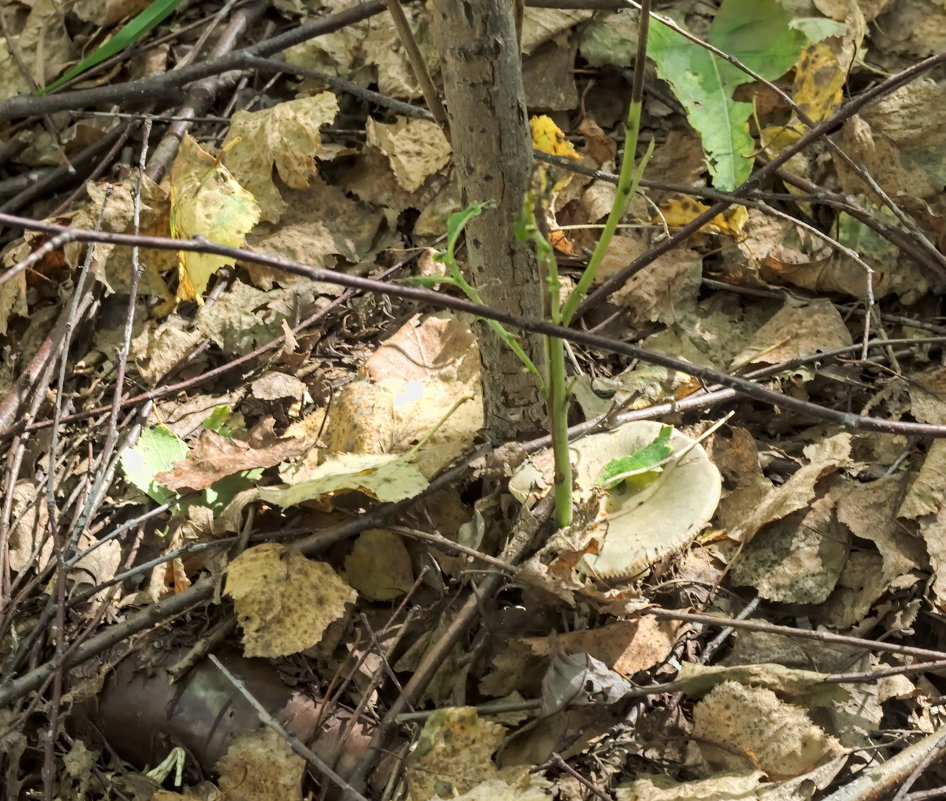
[
  {"x": 455, "y": 225},
  {"x": 556, "y": 397},
  {"x": 508, "y": 338},
  {"x": 628, "y": 179},
  {"x": 554, "y": 386},
  {"x": 558, "y": 424}
]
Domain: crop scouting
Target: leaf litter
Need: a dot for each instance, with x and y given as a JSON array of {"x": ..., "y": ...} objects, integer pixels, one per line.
[{"x": 274, "y": 422}]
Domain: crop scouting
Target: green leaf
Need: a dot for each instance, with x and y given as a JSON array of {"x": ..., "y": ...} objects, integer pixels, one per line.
[
  {"x": 640, "y": 463},
  {"x": 153, "y": 15},
  {"x": 457, "y": 221},
  {"x": 156, "y": 450},
  {"x": 220, "y": 493},
  {"x": 759, "y": 34},
  {"x": 225, "y": 422}
]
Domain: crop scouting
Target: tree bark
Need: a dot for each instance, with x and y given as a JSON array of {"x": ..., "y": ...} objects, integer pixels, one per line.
[{"x": 492, "y": 151}]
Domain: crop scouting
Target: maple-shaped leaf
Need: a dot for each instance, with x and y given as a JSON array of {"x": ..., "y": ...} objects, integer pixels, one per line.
[{"x": 206, "y": 200}]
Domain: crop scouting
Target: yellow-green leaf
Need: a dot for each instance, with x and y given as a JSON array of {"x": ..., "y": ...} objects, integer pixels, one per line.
[{"x": 206, "y": 200}]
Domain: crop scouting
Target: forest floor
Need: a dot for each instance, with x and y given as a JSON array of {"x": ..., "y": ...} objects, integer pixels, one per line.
[{"x": 253, "y": 528}]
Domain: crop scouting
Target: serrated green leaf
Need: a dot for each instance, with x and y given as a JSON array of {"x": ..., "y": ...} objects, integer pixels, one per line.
[{"x": 759, "y": 34}]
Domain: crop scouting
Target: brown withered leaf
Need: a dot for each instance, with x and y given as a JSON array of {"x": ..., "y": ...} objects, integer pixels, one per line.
[{"x": 215, "y": 456}]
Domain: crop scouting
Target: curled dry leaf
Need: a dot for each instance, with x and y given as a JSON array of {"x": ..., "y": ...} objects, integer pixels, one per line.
[
  {"x": 261, "y": 765},
  {"x": 741, "y": 728}
]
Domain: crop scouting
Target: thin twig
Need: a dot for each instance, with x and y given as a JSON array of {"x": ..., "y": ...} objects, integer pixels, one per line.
[
  {"x": 418, "y": 65},
  {"x": 201, "y": 95},
  {"x": 806, "y": 634},
  {"x": 514, "y": 551},
  {"x": 846, "y": 420},
  {"x": 294, "y": 742}
]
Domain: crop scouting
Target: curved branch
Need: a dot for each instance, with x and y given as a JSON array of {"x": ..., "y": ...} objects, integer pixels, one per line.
[
  {"x": 846, "y": 420},
  {"x": 166, "y": 85}
]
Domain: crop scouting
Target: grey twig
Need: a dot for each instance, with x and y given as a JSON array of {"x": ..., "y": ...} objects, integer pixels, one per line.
[{"x": 846, "y": 420}]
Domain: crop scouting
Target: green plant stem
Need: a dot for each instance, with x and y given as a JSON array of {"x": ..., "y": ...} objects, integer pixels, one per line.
[
  {"x": 554, "y": 386},
  {"x": 556, "y": 396},
  {"x": 509, "y": 339},
  {"x": 455, "y": 225},
  {"x": 628, "y": 179},
  {"x": 557, "y": 399}
]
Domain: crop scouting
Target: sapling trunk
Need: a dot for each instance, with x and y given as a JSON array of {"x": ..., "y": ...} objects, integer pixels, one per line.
[{"x": 552, "y": 385}]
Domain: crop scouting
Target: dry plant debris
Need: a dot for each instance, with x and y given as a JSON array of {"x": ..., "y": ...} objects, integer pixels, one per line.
[{"x": 277, "y": 456}]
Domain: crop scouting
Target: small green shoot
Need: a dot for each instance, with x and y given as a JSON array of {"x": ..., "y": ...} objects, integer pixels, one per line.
[
  {"x": 455, "y": 225},
  {"x": 152, "y": 16},
  {"x": 553, "y": 384},
  {"x": 640, "y": 468}
]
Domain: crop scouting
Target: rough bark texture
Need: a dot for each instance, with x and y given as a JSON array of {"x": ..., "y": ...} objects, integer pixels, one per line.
[{"x": 492, "y": 151}]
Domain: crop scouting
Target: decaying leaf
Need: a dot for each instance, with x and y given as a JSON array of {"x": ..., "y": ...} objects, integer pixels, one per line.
[
  {"x": 214, "y": 456},
  {"x": 284, "y": 602},
  {"x": 261, "y": 766},
  {"x": 453, "y": 754},
  {"x": 379, "y": 566},
  {"x": 285, "y": 138},
  {"x": 206, "y": 200},
  {"x": 740, "y": 728},
  {"x": 386, "y": 477},
  {"x": 415, "y": 149}
]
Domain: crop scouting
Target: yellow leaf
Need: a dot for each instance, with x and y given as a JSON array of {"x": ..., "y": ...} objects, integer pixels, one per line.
[
  {"x": 284, "y": 139},
  {"x": 548, "y": 137},
  {"x": 206, "y": 200},
  {"x": 819, "y": 81},
  {"x": 679, "y": 211}
]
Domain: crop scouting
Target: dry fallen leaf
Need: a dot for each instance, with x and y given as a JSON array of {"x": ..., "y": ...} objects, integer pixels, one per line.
[
  {"x": 416, "y": 149},
  {"x": 379, "y": 566},
  {"x": 261, "y": 766},
  {"x": 206, "y": 200},
  {"x": 285, "y": 138},
  {"x": 284, "y": 602},
  {"x": 453, "y": 754},
  {"x": 744, "y": 728}
]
